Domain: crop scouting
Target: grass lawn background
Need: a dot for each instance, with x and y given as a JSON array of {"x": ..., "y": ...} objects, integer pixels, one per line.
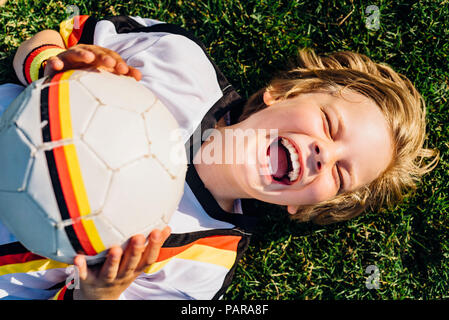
[{"x": 250, "y": 41}]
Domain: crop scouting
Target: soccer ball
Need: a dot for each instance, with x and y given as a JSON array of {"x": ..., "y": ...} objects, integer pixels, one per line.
[{"x": 88, "y": 159}]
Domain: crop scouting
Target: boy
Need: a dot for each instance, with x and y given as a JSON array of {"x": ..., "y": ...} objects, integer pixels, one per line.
[{"x": 348, "y": 134}]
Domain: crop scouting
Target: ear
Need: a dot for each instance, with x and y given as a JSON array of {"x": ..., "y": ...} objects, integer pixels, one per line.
[
  {"x": 292, "y": 209},
  {"x": 268, "y": 98}
]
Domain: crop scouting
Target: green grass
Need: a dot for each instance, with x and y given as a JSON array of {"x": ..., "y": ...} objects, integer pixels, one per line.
[{"x": 250, "y": 40}]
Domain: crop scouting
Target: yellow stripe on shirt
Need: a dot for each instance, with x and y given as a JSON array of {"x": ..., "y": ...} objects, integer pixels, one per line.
[{"x": 200, "y": 253}]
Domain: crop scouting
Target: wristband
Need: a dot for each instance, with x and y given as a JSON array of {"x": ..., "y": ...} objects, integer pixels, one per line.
[{"x": 36, "y": 60}]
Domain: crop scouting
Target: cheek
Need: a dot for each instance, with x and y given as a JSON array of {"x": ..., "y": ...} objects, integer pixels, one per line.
[{"x": 308, "y": 122}]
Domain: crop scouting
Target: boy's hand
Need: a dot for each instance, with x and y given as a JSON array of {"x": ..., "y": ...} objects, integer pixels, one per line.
[
  {"x": 120, "y": 268},
  {"x": 83, "y": 56}
]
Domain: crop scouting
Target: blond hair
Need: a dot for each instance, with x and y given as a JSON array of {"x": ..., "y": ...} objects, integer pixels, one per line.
[{"x": 403, "y": 108}]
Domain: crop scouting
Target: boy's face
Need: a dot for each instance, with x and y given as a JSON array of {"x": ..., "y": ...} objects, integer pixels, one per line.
[{"x": 342, "y": 141}]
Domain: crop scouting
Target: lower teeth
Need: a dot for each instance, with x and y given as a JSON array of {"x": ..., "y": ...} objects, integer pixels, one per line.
[{"x": 293, "y": 175}]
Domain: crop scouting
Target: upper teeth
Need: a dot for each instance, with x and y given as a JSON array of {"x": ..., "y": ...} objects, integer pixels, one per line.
[{"x": 293, "y": 175}]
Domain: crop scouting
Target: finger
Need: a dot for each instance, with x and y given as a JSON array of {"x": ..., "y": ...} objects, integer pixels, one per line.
[
  {"x": 102, "y": 51},
  {"x": 54, "y": 63},
  {"x": 121, "y": 68},
  {"x": 132, "y": 256},
  {"x": 114, "y": 63},
  {"x": 111, "y": 63},
  {"x": 77, "y": 56},
  {"x": 155, "y": 241},
  {"x": 165, "y": 234},
  {"x": 80, "y": 263},
  {"x": 108, "y": 272},
  {"x": 135, "y": 73},
  {"x": 107, "y": 61},
  {"x": 86, "y": 56},
  {"x": 112, "y": 60}
]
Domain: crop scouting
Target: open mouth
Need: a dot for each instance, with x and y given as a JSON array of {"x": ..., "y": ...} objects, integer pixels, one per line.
[{"x": 284, "y": 162}]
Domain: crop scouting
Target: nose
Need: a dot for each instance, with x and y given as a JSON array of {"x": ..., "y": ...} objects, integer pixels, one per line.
[{"x": 324, "y": 155}]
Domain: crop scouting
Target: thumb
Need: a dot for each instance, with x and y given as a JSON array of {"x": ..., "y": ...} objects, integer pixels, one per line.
[
  {"x": 54, "y": 64},
  {"x": 81, "y": 264}
]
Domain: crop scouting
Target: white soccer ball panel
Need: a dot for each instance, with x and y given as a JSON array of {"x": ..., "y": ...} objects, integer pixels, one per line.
[
  {"x": 40, "y": 187},
  {"x": 29, "y": 119},
  {"x": 165, "y": 138},
  {"x": 159, "y": 224},
  {"x": 120, "y": 91},
  {"x": 96, "y": 176},
  {"x": 138, "y": 196},
  {"x": 117, "y": 136},
  {"x": 15, "y": 160},
  {"x": 82, "y": 107},
  {"x": 175, "y": 193},
  {"x": 27, "y": 222}
]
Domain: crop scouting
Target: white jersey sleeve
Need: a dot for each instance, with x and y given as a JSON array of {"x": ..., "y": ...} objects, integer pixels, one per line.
[{"x": 175, "y": 68}]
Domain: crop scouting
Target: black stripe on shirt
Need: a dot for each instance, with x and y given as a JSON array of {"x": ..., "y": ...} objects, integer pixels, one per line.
[
  {"x": 87, "y": 36},
  {"x": 182, "y": 239},
  {"x": 241, "y": 248},
  {"x": 213, "y": 209},
  {"x": 12, "y": 248}
]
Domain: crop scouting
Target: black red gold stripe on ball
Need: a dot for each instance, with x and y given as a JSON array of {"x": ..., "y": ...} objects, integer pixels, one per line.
[{"x": 64, "y": 168}]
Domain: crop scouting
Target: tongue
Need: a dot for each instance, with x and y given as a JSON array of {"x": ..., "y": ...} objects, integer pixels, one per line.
[{"x": 278, "y": 160}]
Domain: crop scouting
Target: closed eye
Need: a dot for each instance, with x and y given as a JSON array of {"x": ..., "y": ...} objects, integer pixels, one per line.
[
  {"x": 340, "y": 178},
  {"x": 327, "y": 124}
]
